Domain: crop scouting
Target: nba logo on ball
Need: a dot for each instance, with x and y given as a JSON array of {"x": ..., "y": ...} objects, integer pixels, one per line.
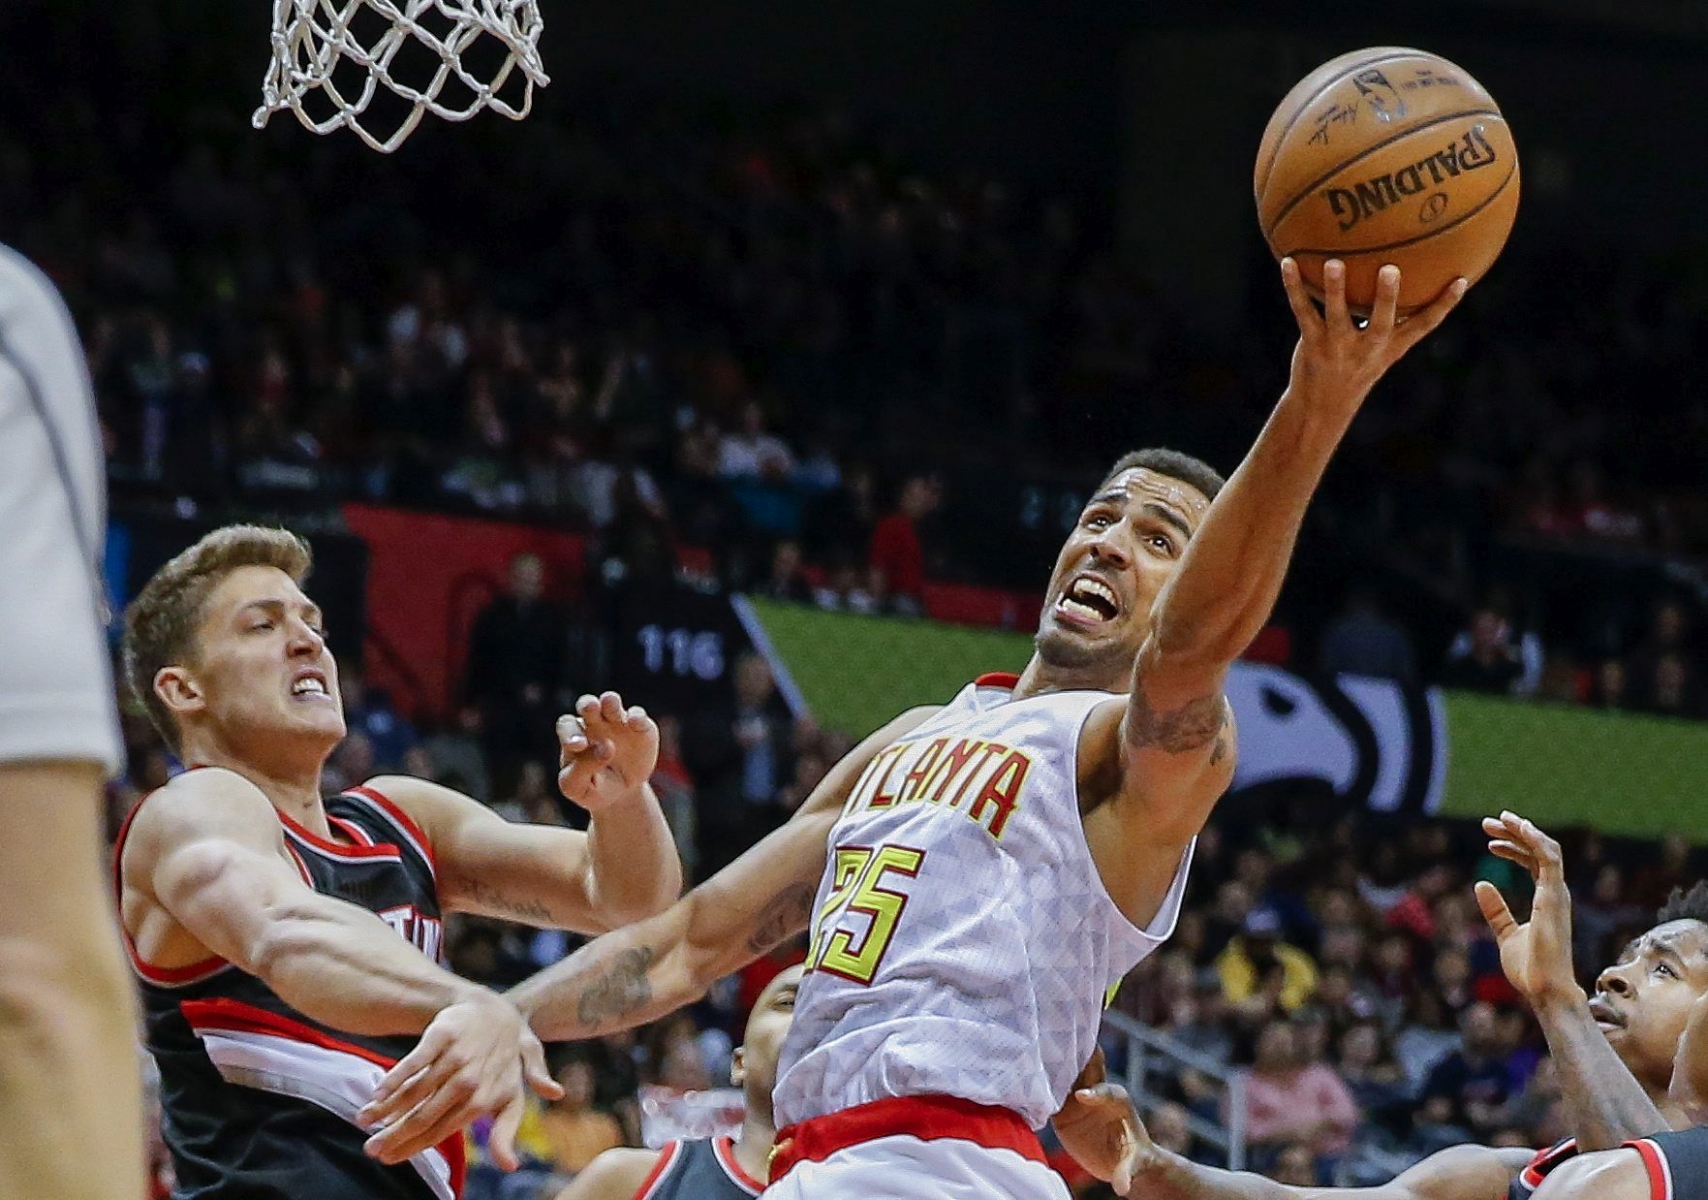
[{"x": 1388, "y": 155}]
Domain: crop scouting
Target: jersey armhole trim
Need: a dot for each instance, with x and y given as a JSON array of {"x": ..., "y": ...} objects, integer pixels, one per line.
[
  {"x": 406, "y": 826},
  {"x": 723, "y": 1148},
  {"x": 666, "y": 1157}
]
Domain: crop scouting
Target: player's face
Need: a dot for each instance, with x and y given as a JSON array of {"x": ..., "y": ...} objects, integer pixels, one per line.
[
  {"x": 1643, "y": 1001},
  {"x": 262, "y": 666},
  {"x": 767, "y": 1026},
  {"x": 1128, "y": 542}
]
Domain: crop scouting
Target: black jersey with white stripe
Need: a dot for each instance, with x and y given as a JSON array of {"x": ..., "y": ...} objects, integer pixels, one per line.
[
  {"x": 258, "y": 1100},
  {"x": 699, "y": 1171},
  {"x": 1524, "y": 1185}
]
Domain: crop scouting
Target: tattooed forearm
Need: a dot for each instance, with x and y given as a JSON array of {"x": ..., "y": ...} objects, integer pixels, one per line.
[
  {"x": 1221, "y": 750},
  {"x": 619, "y": 990},
  {"x": 785, "y": 915},
  {"x": 1189, "y": 727},
  {"x": 494, "y": 900}
]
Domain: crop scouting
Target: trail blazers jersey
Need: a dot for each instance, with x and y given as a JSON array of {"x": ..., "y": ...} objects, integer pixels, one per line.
[
  {"x": 962, "y": 940},
  {"x": 257, "y": 1099}
]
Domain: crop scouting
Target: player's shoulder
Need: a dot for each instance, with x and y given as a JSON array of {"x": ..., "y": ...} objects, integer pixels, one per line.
[
  {"x": 614, "y": 1175},
  {"x": 205, "y": 798}
]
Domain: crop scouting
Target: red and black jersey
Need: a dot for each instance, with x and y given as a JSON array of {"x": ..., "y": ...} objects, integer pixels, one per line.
[
  {"x": 1536, "y": 1170},
  {"x": 698, "y": 1171},
  {"x": 258, "y": 1100},
  {"x": 1676, "y": 1163}
]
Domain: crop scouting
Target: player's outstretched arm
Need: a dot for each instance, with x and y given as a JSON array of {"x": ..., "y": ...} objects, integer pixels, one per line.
[
  {"x": 1607, "y": 1105},
  {"x": 624, "y": 868},
  {"x": 1177, "y": 745},
  {"x": 1102, "y": 1130},
  {"x": 208, "y": 852},
  {"x": 643, "y": 971}
]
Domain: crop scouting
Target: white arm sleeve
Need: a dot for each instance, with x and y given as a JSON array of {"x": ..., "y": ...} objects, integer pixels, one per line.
[{"x": 56, "y": 688}]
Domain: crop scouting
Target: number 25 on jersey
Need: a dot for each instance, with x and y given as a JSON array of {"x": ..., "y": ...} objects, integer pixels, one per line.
[{"x": 862, "y": 885}]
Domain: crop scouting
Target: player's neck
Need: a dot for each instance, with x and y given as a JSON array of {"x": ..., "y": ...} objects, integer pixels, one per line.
[
  {"x": 1041, "y": 677},
  {"x": 753, "y": 1144},
  {"x": 294, "y": 789}
]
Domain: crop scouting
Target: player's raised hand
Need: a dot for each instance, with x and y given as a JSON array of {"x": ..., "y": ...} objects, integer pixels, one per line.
[
  {"x": 607, "y": 750},
  {"x": 1537, "y": 954},
  {"x": 477, "y": 1058},
  {"x": 1337, "y": 362}
]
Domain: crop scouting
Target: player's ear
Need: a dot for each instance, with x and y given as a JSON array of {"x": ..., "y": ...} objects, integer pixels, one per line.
[
  {"x": 738, "y": 1066},
  {"x": 179, "y": 691}
]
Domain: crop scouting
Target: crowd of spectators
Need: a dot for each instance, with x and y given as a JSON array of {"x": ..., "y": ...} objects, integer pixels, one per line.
[
  {"x": 732, "y": 343},
  {"x": 1338, "y": 963},
  {"x": 726, "y": 347}
]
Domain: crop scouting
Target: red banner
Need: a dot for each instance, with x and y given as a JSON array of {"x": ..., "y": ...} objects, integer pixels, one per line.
[{"x": 428, "y": 577}]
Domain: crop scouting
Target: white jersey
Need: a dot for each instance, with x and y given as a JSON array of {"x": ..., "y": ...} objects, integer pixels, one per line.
[
  {"x": 962, "y": 941},
  {"x": 56, "y": 688}
]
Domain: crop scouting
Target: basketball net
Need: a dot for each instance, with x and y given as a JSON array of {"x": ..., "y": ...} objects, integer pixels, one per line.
[{"x": 311, "y": 38}]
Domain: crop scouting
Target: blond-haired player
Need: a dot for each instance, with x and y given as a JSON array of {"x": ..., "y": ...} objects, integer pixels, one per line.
[
  {"x": 71, "y": 1096},
  {"x": 288, "y": 945}
]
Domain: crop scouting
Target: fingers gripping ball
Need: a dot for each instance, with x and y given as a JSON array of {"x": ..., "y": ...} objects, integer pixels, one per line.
[{"x": 1388, "y": 155}]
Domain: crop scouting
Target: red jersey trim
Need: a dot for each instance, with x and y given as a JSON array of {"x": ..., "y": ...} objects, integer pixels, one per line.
[
  {"x": 666, "y": 1157},
  {"x": 928, "y": 1118},
  {"x": 1656, "y": 1166},
  {"x": 338, "y": 849},
  {"x": 724, "y": 1149},
  {"x": 405, "y": 823},
  {"x": 351, "y": 830},
  {"x": 1005, "y": 680},
  {"x": 195, "y": 972},
  {"x": 238, "y": 1017},
  {"x": 1536, "y": 1170}
]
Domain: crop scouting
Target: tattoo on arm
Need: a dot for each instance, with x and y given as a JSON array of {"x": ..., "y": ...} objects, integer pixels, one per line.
[
  {"x": 494, "y": 899},
  {"x": 786, "y": 914},
  {"x": 619, "y": 990},
  {"x": 1221, "y": 750},
  {"x": 1189, "y": 727}
]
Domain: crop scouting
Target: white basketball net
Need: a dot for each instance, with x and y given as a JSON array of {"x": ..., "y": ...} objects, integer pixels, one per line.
[{"x": 312, "y": 37}]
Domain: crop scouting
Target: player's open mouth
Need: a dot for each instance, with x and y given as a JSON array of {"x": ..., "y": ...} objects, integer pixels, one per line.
[
  {"x": 309, "y": 685},
  {"x": 1087, "y": 600},
  {"x": 1605, "y": 1015}
]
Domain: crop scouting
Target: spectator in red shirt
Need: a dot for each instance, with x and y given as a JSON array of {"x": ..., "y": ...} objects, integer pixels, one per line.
[{"x": 897, "y": 558}]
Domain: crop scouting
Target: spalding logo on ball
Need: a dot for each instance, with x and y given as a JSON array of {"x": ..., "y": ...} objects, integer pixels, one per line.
[{"x": 1388, "y": 155}]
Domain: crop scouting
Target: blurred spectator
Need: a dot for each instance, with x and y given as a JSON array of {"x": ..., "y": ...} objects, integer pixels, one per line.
[
  {"x": 1292, "y": 1098},
  {"x": 1295, "y": 1166},
  {"x": 1489, "y": 657},
  {"x": 575, "y": 1131},
  {"x": 1259, "y": 970},
  {"x": 1170, "y": 1128},
  {"x": 1598, "y": 914},
  {"x": 675, "y": 790},
  {"x": 739, "y": 756},
  {"x": 456, "y": 754},
  {"x": 786, "y": 580},
  {"x": 1373, "y": 1076},
  {"x": 515, "y": 668},
  {"x": 1363, "y": 641},
  {"x": 1469, "y": 1088},
  {"x": 751, "y": 452},
  {"x": 370, "y": 712},
  {"x": 897, "y": 556},
  {"x": 1655, "y": 879}
]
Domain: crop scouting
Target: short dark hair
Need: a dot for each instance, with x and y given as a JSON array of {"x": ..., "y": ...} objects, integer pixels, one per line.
[
  {"x": 1685, "y": 906},
  {"x": 1194, "y": 472}
]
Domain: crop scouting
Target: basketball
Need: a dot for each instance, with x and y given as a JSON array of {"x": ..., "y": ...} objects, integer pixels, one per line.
[{"x": 1388, "y": 155}]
